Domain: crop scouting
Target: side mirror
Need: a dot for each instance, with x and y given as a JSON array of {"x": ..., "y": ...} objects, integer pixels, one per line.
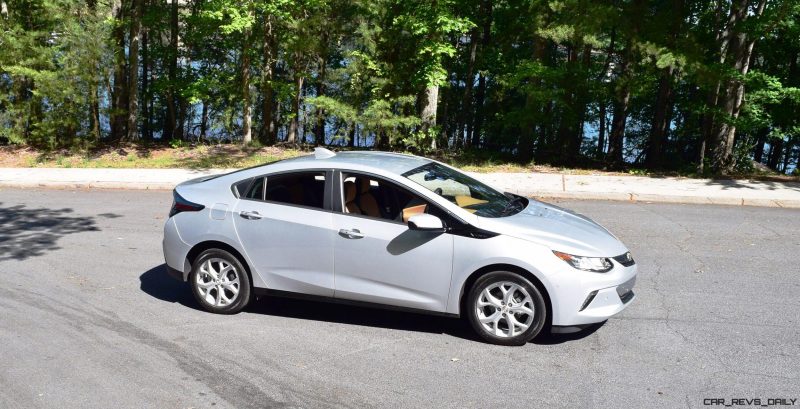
[{"x": 426, "y": 222}]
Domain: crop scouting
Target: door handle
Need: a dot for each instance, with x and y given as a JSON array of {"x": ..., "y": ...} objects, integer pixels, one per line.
[
  {"x": 250, "y": 215},
  {"x": 351, "y": 234}
]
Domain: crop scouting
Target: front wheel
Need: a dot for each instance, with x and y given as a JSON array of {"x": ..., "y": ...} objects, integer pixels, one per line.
[
  {"x": 505, "y": 308},
  {"x": 219, "y": 282}
]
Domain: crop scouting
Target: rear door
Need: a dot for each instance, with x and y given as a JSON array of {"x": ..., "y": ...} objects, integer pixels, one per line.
[
  {"x": 286, "y": 228},
  {"x": 377, "y": 258}
]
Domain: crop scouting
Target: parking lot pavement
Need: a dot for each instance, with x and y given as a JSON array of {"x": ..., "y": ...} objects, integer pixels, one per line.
[{"x": 90, "y": 319}]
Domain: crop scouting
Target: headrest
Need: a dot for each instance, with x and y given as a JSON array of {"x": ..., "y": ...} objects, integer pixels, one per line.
[
  {"x": 349, "y": 191},
  {"x": 363, "y": 185}
]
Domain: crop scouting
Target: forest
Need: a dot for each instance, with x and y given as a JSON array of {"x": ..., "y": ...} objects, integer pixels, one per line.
[{"x": 694, "y": 86}]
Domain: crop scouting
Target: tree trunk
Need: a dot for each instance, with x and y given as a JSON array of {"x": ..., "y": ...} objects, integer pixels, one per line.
[
  {"x": 276, "y": 119},
  {"x": 133, "y": 69},
  {"x": 383, "y": 140},
  {"x": 620, "y": 111},
  {"x": 661, "y": 119},
  {"x": 480, "y": 93},
  {"x": 145, "y": 84},
  {"x": 531, "y": 110},
  {"x": 291, "y": 136},
  {"x": 709, "y": 118},
  {"x": 247, "y": 135},
  {"x": 204, "y": 121},
  {"x": 266, "y": 134},
  {"x": 582, "y": 99},
  {"x": 172, "y": 72},
  {"x": 601, "y": 133},
  {"x": 466, "y": 100},
  {"x": 352, "y": 137},
  {"x": 601, "y": 136},
  {"x": 663, "y": 106},
  {"x": 619, "y": 119},
  {"x": 95, "y": 114},
  {"x": 319, "y": 126},
  {"x": 94, "y": 87},
  {"x": 430, "y": 102},
  {"x": 775, "y": 152},
  {"x": 761, "y": 140},
  {"x": 740, "y": 48},
  {"x": 787, "y": 157},
  {"x": 567, "y": 135},
  {"x": 120, "y": 95}
]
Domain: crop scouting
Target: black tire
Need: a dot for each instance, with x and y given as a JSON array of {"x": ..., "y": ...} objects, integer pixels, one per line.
[
  {"x": 242, "y": 298},
  {"x": 493, "y": 279}
]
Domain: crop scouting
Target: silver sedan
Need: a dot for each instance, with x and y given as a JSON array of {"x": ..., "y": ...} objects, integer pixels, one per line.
[{"x": 398, "y": 231}]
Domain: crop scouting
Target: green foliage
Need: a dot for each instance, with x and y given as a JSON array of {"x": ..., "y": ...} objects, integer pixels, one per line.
[
  {"x": 528, "y": 80},
  {"x": 378, "y": 116}
]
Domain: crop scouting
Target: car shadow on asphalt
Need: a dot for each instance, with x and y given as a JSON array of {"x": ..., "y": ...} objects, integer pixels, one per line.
[{"x": 158, "y": 284}]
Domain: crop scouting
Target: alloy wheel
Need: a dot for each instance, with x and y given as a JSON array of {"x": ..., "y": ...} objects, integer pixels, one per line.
[
  {"x": 505, "y": 309},
  {"x": 218, "y": 282}
]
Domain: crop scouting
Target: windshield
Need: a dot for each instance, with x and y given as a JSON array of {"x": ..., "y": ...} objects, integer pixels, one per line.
[{"x": 465, "y": 192}]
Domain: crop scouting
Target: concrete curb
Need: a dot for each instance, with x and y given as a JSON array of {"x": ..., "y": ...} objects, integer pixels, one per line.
[
  {"x": 88, "y": 185},
  {"x": 541, "y": 185}
]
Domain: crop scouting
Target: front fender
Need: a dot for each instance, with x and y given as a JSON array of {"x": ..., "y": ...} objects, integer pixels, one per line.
[{"x": 471, "y": 255}]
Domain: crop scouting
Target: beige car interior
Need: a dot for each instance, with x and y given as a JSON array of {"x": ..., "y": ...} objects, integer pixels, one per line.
[
  {"x": 464, "y": 201},
  {"x": 359, "y": 199},
  {"x": 413, "y": 211},
  {"x": 350, "y": 205},
  {"x": 367, "y": 202}
]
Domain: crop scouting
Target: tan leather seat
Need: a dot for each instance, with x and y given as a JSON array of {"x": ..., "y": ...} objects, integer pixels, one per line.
[
  {"x": 366, "y": 201},
  {"x": 350, "y": 205}
]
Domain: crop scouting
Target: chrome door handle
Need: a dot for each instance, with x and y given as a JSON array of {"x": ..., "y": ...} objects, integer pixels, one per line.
[
  {"x": 250, "y": 215},
  {"x": 351, "y": 234}
]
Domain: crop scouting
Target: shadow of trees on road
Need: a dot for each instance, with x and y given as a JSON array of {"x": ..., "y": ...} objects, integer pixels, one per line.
[
  {"x": 30, "y": 232},
  {"x": 766, "y": 184}
]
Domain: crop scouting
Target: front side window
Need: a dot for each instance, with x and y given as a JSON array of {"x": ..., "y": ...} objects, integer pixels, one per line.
[
  {"x": 300, "y": 189},
  {"x": 376, "y": 198},
  {"x": 465, "y": 192}
]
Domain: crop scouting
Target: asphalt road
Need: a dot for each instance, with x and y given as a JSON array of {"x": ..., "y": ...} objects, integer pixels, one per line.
[{"x": 88, "y": 318}]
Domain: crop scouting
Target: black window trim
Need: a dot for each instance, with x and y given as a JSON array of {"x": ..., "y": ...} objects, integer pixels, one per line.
[{"x": 326, "y": 200}]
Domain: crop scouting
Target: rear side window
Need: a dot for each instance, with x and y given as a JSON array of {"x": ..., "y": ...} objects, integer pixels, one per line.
[
  {"x": 299, "y": 188},
  {"x": 255, "y": 190}
]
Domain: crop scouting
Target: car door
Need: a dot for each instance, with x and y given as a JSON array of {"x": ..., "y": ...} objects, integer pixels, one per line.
[
  {"x": 377, "y": 258},
  {"x": 286, "y": 228}
]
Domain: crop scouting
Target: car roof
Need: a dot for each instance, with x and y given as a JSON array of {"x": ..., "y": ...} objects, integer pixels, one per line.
[{"x": 396, "y": 163}]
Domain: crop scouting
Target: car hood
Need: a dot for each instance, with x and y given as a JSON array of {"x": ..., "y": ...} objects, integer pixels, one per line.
[{"x": 558, "y": 229}]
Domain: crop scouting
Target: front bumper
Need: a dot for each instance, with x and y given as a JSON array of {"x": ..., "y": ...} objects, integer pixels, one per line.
[{"x": 596, "y": 297}]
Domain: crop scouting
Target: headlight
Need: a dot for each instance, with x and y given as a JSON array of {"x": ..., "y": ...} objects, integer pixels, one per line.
[{"x": 595, "y": 264}]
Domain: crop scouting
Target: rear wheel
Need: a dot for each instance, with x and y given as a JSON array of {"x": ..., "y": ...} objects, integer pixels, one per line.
[
  {"x": 505, "y": 308},
  {"x": 219, "y": 282}
]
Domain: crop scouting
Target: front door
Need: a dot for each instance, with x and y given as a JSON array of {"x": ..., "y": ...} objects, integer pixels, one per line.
[
  {"x": 377, "y": 258},
  {"x": 287, "y": 233}
]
